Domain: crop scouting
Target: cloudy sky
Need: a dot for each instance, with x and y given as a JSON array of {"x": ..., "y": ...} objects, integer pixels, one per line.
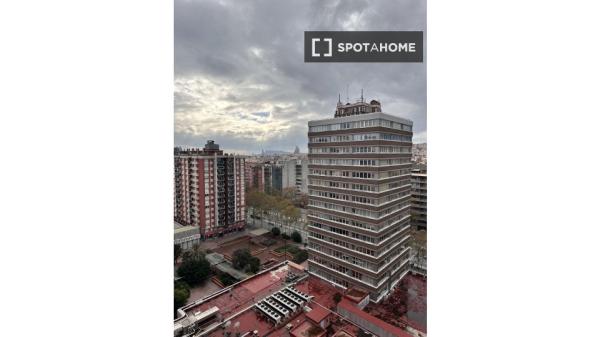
[{"x": 240, "y": 76}]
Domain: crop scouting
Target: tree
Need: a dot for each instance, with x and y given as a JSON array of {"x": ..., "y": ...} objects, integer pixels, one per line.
[
  {"x": 194, "y": 271},
  {"x": 253, "y": 198},
  {"x": 301, "y": 201},
  {"x": 187, "y": 255},
  {"x": 397, "y": 302},
  {"x": 269, "y": 204},
  {"x": 292, "y": 212},
  {"x": 257, "y": 201},
  {"x": 197, "y": 253},
  {"x": 177, "y": 252},
  {"x": 418, "y": 244},
  {"x": 337, "y": 297},
  {"x": 278, "y": 207},
  {"x": 253, "y": 265},
  {"x": 275, "y": 231},
  {"x": 243, "y": 260},
  {"x": 181, "y": 294},
  {"x": 226, "y": 279},
  {"x": 289, "y": 193},
  {"x": 297, "y": 237},
  {"x": 301, "y": 256}
]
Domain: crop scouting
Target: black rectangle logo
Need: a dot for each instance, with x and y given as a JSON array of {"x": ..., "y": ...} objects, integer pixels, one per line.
[{"x": 363, "y": 46}]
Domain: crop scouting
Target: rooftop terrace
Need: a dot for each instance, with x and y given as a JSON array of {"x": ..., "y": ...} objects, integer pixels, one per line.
[{"x": 304, "y": 302}]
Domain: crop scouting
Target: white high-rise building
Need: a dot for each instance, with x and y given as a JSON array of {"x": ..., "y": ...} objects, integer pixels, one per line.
[{"x": 359, "y": 198}]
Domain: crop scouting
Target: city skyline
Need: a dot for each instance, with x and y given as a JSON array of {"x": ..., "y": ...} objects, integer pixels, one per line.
[{"x": 257, "y": 94}]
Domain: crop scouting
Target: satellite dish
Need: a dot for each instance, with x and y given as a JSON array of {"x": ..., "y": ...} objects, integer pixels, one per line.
[
  {"x": 237, "y": 324},
  {"x": 227, "y": 324}
]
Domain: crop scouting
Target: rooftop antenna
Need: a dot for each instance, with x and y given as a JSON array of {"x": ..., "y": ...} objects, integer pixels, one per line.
[
  {"x": 347, "y": 98},
  {"x": 339, "y": 98},
  {"x": 361, "y": 96}
]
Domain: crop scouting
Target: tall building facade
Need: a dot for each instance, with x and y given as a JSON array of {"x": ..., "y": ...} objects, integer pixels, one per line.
[
  {"x": 295, "y": 174},
  {"x": 289, "y": 173},
  {"x": 273, "y": 174},
  {"x": 301, "y": 176},
  {"x": 419, "y": 198},
  {"x": 359, "y": 198},
  {"x": 209, "y": 190},
  {"x": 255, "y": 176}
]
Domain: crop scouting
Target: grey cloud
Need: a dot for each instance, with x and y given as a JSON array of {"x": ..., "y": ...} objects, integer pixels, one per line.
[{"x": 252, "y": 51}]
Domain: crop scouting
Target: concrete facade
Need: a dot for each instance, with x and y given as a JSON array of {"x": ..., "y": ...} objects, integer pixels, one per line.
[{"x": 359, "y": 198}]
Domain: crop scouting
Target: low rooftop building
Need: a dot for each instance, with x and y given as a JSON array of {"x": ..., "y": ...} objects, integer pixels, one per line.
[{"x": 271, "y": 303}]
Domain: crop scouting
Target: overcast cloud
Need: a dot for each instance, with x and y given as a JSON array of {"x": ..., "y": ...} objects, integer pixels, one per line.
[{"x": 240, "y": 76}]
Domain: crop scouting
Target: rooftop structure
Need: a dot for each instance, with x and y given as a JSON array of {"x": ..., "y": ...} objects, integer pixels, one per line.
[
  {"x": 308, "y": 329},
  {"x": 269, "y": 304},
  {"x": 343, "y": 333},
  {"x": 217, "y": 261},
  {"x": 186, "y": 236},
  {"x": 318, "y": 314},
  {"x": 358, "y": 108},
  {"x": 380, "y": 328}
]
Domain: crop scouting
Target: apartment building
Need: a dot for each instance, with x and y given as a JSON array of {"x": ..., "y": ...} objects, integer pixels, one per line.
[
  {"x": 209, "y": 190},
  {"x": 273, "y": 177},
  {"x": 301, "y": 176},
  {"x": 255, "y": 176},
  {"x": 295, "y": 174},
  {"x": 419, "y": 198},
  {"x": 288, "y": 174},
  {"x": 359, "y": 198}
]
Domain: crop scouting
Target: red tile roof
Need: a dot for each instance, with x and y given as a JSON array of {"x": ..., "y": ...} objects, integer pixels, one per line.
[
  {"x": 343, "y": 333},
  {"x": 307, "y": 329},
  {"x": 318, "y": 313}
]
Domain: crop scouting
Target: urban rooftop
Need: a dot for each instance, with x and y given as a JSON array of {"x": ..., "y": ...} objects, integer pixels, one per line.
[{"x": 284, "y": 300}]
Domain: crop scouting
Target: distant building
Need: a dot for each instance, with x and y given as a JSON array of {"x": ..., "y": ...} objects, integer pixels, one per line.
[
  {"x": 273, "y": 174},
  {"x": 186, "y": 236},
  {"x": 255, "y": 176},
  {"x": 359, "y": 198},
  {"x": 419, "y": 153},
  {"x": 302, "y": 176},
  {"x": 294, "y": 173},
  {"x": 419, "y": 198},
  {"x": 288, "y": 173},
  {"x": 209, "y": 190},
  {"x": 277, "y": 173}
]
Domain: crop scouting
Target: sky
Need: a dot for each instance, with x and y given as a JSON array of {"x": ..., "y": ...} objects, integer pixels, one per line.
[{"x": 241, "y": 80}]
